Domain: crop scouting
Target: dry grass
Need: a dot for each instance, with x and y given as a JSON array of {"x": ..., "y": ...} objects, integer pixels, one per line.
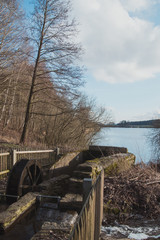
[{"x": 136, "y": 191}]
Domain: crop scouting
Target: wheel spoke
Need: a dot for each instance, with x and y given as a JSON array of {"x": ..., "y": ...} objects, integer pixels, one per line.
[
  {"x": 25, "y": 186},
  {"x": 30, "y": 175},
  {"x": 37, "y": 178},
  {"x": 25, "y": 189},
  {"x": 35, "y": 172},
  {"x": 25, "y": 175}
]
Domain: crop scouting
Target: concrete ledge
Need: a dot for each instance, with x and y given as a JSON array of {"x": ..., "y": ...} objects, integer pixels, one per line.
[
  {"x": 102, "y": 151},
  {"x": 115, "y": 163},
  {"x": 66, "y": 164},
  {"x": 108, "y": 150},
  {"x": 16, "y": 210}
]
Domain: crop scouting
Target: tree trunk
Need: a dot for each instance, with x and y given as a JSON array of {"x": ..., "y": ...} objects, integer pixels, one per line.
[{"x": 27, "y": 114}]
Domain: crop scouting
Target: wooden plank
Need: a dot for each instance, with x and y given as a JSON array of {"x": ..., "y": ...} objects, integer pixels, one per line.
[
  {"x": 39, "y": 151},
  {"x": 4, "y": 172},
  {"x": 4, "y": 154}
]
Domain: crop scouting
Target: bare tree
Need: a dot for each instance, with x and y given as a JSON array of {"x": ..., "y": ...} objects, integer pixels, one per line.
[
  {"x": 11, "y": 44},
  {"x": 154, "y": 137},
  {"x": 11, "y": 32},
  {"x": 53, "y": 35}
]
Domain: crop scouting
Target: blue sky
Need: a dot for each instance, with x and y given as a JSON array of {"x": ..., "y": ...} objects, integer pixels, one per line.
[{"x": 121, "y": 40}]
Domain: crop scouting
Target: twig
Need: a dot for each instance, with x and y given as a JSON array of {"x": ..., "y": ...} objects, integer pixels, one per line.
[{"x": 149, "y": 183}]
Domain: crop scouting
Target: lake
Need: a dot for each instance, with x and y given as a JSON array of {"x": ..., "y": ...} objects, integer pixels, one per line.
[{"x": 135, "y": 139}]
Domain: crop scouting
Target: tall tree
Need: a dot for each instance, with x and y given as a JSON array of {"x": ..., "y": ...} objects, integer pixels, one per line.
[
  {"x": 11, "y": 31},
  {"x": 11, "y": 45},
  {"x": 53, "y": 35}
]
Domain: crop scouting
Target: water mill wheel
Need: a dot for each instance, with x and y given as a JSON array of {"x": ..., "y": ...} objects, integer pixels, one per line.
[{"x": 23, "y": 178}]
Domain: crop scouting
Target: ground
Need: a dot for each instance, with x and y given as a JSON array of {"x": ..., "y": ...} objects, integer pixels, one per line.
[{"x": 132, "y": 196}]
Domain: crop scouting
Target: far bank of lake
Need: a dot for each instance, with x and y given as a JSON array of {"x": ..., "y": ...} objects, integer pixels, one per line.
[{"x": 137, "y": 140}]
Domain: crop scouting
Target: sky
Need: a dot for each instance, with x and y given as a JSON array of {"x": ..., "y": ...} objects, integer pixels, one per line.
[{"x": 121, "y": 42}]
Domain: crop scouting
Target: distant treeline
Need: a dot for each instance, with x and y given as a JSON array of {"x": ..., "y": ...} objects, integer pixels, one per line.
[{"x": 136, "y": 124}]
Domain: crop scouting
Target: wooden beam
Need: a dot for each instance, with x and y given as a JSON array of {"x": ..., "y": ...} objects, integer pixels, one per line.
[{"x": 4, "y": 172}]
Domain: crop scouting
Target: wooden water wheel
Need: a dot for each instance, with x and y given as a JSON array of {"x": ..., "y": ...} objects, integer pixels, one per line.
[{"x": 24, "y": 177}]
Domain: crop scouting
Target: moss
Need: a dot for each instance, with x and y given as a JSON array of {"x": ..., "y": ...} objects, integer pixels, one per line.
[
  {"x": 109, "y": 209},
  {"x": 112, "y": 169},
  {"x": 116, "y": 211},
  {"x": 95, "y": 160},
  {"x": 95, "y": 172}
]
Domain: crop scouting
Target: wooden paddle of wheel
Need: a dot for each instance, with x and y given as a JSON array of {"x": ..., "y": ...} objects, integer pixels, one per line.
[{"x": 23, "y": 178}]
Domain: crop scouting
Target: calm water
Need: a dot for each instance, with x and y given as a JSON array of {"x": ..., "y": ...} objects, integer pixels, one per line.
[{"x": 135, "y": 139}]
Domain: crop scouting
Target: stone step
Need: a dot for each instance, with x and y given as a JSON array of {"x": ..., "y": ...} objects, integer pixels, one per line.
[
  {"x": 71, "y": 202},
  {"x": 84, "y": 167},
  {"x": 82, "y": 175},
  {"x": 75, "y": 185}
]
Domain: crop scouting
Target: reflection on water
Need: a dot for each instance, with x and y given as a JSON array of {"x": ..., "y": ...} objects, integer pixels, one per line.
[{"x": 137, "y": 140}]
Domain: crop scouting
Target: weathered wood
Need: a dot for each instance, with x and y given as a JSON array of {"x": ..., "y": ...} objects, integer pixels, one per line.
[
  {"x": 4, "y": 172},
  {"x": 4, "y": 154}
]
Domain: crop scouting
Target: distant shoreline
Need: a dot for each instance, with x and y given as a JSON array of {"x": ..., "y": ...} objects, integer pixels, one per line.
[
  {"x": 134, "y": 124},
  {"x": 113, "y": 126}
]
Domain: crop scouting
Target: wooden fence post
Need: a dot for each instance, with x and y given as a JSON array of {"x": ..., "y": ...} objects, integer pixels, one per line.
[
  {"x": 14, "y": 156},
  {"x": 102, "y": 195},
  {"x": 87, "y": 185}
]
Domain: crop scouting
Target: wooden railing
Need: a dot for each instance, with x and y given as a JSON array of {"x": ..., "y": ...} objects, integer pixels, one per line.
[
  {"x": 88, "y": 224},
  {"x": 8, "y": 159},
  {"x": 45, "y": 157},
  {"x": 5, "y": 163}
]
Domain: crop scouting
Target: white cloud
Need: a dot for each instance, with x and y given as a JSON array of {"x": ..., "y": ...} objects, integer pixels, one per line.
[
  {"x": 136, "y": 5},
  {"x": 118, "y": 47},
  {"x": 155, "y": 114}
]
